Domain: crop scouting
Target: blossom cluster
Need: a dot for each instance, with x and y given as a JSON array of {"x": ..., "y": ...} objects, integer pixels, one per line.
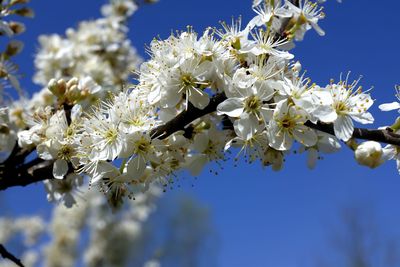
[
  {"x": 98, "y": 49},
  {"x": 78, "y": 71},
  {"x": 11, "y": 28},
  {"x": 108, "y": 234},
  {"x": 86, "y": 124},
  {"x": 93, "y": 235}
]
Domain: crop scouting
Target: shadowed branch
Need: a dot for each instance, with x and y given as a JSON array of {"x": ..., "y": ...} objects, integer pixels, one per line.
[{"x": 7, "y": 255}]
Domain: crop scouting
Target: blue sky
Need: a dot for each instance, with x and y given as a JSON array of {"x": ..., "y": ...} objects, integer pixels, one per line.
[{"x": 266, "y": 218}]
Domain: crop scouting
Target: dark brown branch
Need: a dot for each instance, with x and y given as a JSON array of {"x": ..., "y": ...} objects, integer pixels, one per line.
[
  {"x": 7, "y": 255},
  {"x": 25, "y": 174},
  {"x": 185, "y": 117},
  {"x": 382, "y": 136},
  {"x": 192, "y": 113}
]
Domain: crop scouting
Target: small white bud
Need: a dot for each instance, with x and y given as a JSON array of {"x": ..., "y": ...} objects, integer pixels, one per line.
[
  {"x": 296, "y": 66},
  {"x": 369, "y": 154}
]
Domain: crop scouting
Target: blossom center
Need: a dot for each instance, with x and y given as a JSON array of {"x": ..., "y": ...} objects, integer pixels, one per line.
[
  {"x": 66, "y": 152},
  {"x": 188, "y": 80},
  {"x": 340, "y": 107},
  {"x": 142, "y": 146},
  {"x": 252, "y": 104},
  {"x": 288, "y": 123},
  {"x": 111, "y": 135},
  {"x": 136, "y": 122}
]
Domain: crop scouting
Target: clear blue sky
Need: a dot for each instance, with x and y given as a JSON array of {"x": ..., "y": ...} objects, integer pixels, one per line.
[{"x": 264, "y": 218}]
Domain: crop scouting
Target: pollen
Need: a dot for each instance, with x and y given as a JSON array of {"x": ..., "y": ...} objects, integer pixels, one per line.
[
  {"x": 111, "y": 135},
  {"x": 340, "y": 107},
  {"x": 66, "y": 152},
  {"x": 187, "y": 80},
  {"x": 142, "y": 146},
  {"x": 252, "y": 104}
]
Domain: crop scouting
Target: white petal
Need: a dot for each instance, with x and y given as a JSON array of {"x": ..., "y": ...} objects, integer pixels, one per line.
[
  {"x": 14, "y": 82},
  {"x": 246, "y": 126},
  {"x": 256, "y": 21},
  {"x": 327, "y": 143},
  {"x": 305, "y": 136},
  {"x": 5, "y": 28},
  {"x": 343, "y": 127},
  {"x": 196, "y": 164},
  {"x": 389, "y": 106},
  {"x": 200, "y": 142},
  {"x": 364, "y": 118},
  {"x": 325, "y": 114},
  {"x": 198, "y": 98},
  {"x": 318, "y": 29},
  {"x": 60, "y": 168},
  {"x": 170, "y": 98},
  {"x": 154, "y": 95},
  {"x": 280, "y": 141},
  {"x": 68, "y": 200},
  {"x": 312, "y": 158},
  {"x": 389, "y": 152},
  {"x": 233, "y": 107},
  {"x": 136, "y": 167}
]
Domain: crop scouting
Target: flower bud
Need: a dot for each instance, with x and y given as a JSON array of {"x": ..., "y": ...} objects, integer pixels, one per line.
[
  {"x": 274, "y": 158},
  {"x": 296, "y": 66},
  {"x": 13, "y": 48},
  {"x": 62, "y": 85},
  {"x": 25, "y": 12},
  {"x": 16, "y": 2},
  {"x": 369, "y": 154},
  {"x": 16, "y": 27},
  {"x": 57, "y": 87},
  {"x": 73, "y": 81},
  {"x": 73, "y": 94}
]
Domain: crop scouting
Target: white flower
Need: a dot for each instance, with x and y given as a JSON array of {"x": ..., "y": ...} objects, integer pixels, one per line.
[
  {"x": 395, "y": 152},
  {"x": 189, "y": 80},
  {"x": 232, "y": 35},
  {"x": 140, "y": 146},
  {"x": 266, "y": 44},
  {"x": 63, "y": 190},
  {"x": 59, "y": 145},
  {"x": 306, "y": 14},
  {"x": 371, "y": 154},
  {"x": 393, "y": 105},
  {"x": 273, "y": 157},
  {"x": 250, "y": 136},
  {"x": 349, "y": 103},
  {"x": 8, "y": 137},
  {"x": 288, "y": 124},
  {"x": 209, "y": 146},
  {"x": 208, "y": 47},
  {"x": 316, "y": 101},
  {"x": 119, "y": 8},
  {"x": 39, "y": 121},
  {"x": 107, "y": 141},
  {"x": 266, "y": 13},
  {"x": 326, "y": 143},
  {"x": 134, "y": 115},
  {"x": 252, "y": 101}
]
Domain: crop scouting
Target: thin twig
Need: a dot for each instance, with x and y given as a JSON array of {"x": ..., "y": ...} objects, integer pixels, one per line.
[{"x": 7, "y": 255}]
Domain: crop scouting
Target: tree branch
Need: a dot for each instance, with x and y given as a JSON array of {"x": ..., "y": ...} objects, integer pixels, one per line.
[
  {"x": 192, "y": 113},
  {"x": 383, "y": 136},
  {"x": 22, "y": 175},
  {"x": 185, "y": 117},
  {"x": 7, "y": 255}
]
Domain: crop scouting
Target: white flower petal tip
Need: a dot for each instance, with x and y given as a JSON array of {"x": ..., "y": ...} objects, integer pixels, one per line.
[{"x": 389, "y": 106}]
